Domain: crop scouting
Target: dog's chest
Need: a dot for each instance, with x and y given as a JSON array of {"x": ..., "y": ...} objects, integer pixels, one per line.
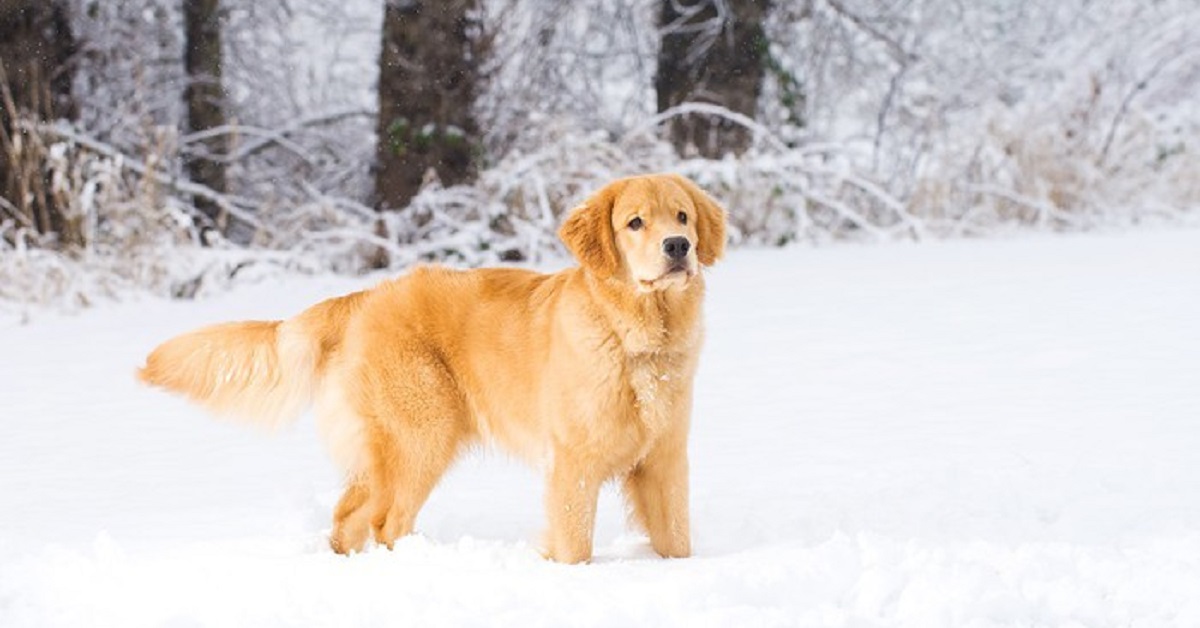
[{"x": 656, "y": 382}]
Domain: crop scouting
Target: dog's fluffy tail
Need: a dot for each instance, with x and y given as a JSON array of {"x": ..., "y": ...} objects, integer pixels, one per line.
[{"x": 261, "y": 372}]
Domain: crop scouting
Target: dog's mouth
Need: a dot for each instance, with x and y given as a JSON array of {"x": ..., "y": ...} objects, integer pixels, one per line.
[{"x": 678, "y": 273}]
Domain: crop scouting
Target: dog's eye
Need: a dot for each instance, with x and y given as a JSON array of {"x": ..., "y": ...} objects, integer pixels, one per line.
[
  {"x": 635, "y": 224},
  {"x": 682, "y": 218}
]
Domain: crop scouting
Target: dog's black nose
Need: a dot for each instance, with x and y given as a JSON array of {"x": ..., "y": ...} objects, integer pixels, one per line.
[{"x": 676, "y": 247}]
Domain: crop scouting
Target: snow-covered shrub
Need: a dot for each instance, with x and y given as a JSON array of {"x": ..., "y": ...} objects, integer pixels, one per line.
[
  {"x": 774, "y": 194},
  {"x": 987, "y": 116},
  {"x": 1094, "y": 131},
  {"x": 127, "y": 229}
]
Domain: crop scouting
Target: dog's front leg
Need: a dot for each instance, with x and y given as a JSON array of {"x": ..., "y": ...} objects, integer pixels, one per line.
[
  {"x": 657, "y": 490},
  {"x": 571, "y": 494}
]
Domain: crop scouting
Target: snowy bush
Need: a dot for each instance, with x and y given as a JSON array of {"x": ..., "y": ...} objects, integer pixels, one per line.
[
  {"x": 982, "y": 116},
  {"x": 126, "y": 229}
]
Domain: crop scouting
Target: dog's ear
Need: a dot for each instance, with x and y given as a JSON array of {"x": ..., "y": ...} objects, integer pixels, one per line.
[
  {"x": 588, "y": 233},
  {"x": 710, "y": 222}
]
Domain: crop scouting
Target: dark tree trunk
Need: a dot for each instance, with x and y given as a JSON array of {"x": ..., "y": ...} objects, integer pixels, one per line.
[
  {"x": 428, "y": 74},
  {"x": 205, "y": 98},
  {"x": 36, "y": 51},
  {"x": 697, "y": 64}
]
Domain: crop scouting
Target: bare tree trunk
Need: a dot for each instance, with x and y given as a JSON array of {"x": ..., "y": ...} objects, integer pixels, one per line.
[
  {"x": 428, "y": 82},
  {"x": 713, "y": 51},
  {"x": 205, "y": 98},
  {"x": 36, "y": 55}
]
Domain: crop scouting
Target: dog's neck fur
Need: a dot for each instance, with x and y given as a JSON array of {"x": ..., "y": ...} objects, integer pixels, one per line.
[{"x": 662, "y": 321}]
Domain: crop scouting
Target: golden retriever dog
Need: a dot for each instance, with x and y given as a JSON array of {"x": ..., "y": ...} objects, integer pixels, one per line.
[{"x": 586, "y": 373}]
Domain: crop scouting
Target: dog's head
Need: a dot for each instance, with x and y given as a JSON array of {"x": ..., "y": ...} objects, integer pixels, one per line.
[{"x": 652, "y": 230}]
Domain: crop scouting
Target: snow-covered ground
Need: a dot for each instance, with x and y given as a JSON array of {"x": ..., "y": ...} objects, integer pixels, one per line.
[{"x": 992, "y": 433}]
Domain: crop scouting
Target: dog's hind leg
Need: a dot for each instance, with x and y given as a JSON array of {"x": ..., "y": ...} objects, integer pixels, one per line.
[
  {"x": 352, "y": 518},
  {"x": 424, "y": 431},
  {"x": 344, "y": 431}
]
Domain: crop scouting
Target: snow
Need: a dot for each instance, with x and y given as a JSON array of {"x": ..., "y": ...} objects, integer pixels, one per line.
[{"x": 971, "y": 433}]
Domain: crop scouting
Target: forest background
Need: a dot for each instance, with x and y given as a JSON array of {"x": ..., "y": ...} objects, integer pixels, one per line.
[{"x": 178, "y": 147}]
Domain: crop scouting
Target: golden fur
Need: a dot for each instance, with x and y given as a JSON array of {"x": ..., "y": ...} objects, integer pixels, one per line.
[{"x": 586, "y": 373}]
